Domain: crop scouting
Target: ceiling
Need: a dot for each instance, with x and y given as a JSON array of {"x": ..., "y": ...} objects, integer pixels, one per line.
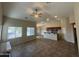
[{"x": 21, "y": 10}]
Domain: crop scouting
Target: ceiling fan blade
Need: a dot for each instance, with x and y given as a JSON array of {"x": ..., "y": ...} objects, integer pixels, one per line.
[{"x": 40, "y": 14}]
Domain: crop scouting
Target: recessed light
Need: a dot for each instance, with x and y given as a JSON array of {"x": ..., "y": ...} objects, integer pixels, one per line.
[
  {"x": 47, "y": 19},
  {"x": 55, "y": 16},
  {"x": 36, "y": 16},
  {"x": 74, "y": 26}
]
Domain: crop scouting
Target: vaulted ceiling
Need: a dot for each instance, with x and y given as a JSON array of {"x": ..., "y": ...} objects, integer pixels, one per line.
[{"x": 21, "y": 10}]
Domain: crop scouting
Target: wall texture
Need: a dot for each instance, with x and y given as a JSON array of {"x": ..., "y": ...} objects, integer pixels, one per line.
[
  {"x": 10, "y": 22},
  {"x": 0, "y": 20},
  {"x": 76, "y": 12},
  {"x": 67, "y": 30},
  {"x": 72, "y": 19}
]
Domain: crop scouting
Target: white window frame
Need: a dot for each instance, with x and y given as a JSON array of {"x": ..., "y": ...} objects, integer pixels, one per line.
[
  {"x": 31, "y": 31},
  {"x": 15, "y": 36}
]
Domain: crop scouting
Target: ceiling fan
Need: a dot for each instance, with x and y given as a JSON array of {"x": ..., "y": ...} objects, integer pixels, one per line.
[{"x": 36, "y": 13}]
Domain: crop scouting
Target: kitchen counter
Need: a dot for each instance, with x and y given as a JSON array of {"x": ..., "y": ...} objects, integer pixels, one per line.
[{"x": 51, "y": 36}]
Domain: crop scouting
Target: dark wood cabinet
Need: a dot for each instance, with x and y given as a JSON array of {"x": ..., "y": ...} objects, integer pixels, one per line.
[{"x": 53, "y": 29}]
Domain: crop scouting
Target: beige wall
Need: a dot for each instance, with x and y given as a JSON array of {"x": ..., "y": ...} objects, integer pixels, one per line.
[
  {"x": 72, "y": 19},
  {"x": 53, "y": 24},
  {"x": 76, "y": 12},
  {"x": 67, "y": 30},
  {"x": 8, "y": 22},
  {"x": 0, "y": 19}
]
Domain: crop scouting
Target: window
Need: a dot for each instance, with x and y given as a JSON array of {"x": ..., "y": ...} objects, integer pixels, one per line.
[
  {"x": 11, "y": 32},
  {"x": 18, "y": 31},
  {"x": 14, "y": 32},
  {"x": 30, "y": 31}
]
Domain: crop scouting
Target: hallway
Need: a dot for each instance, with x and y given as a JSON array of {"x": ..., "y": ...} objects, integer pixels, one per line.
[{"x": 44, "y": 48}]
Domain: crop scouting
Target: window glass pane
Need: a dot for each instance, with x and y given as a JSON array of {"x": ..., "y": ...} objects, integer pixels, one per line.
[
  {"x": 28, "y": 31},
  {"x": 14, "y": 32},
  {"x": 11, "y": 32},
  {"x": 32, "y": 31},
  {"x": 18, "y": 31}
]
